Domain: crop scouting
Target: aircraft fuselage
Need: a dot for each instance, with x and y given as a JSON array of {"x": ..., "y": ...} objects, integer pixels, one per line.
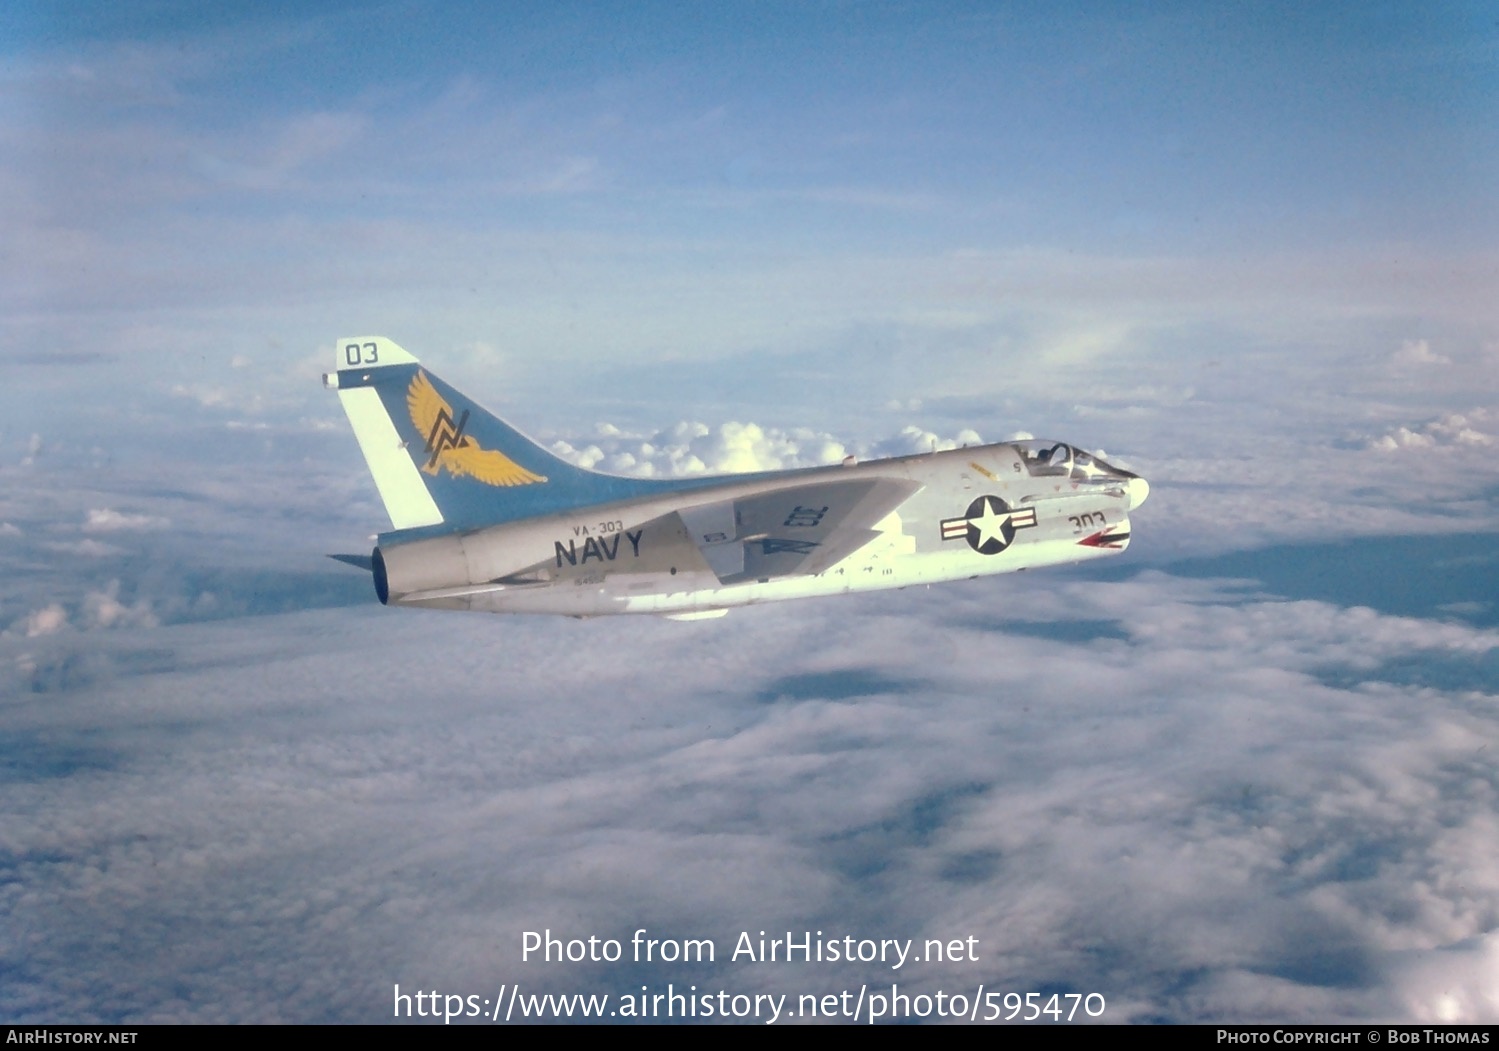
[
  {"x": 485, "y": 519},
  {"x": 975, "y": 511}
]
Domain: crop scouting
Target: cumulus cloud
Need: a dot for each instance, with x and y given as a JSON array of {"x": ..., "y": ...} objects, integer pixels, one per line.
[
  {"x": 692, "y": 447},
  {"x": 1452, "y": 431},
  {"x": 103, "y": 609},
  {"x": 912, "y": 440},
  {"x": 99, "y": 608}
]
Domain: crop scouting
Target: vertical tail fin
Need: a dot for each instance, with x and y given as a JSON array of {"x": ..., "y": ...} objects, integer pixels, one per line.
[{"x": 438, "y": 458}]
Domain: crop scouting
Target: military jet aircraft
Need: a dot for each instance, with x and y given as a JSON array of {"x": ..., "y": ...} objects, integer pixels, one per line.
[{"x": 484, "y": 519}]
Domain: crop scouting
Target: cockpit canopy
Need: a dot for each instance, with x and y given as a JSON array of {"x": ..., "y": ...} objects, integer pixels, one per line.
[{"x": 1048, "y": 459}]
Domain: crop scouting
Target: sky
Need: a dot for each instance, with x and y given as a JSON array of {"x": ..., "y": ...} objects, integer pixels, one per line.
[{"x": 1244, "y": 772}]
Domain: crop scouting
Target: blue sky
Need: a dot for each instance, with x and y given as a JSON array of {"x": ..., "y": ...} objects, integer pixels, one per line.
[
  {"x": 1247, "y": 251},
  {"x": 583, "y": 192}
]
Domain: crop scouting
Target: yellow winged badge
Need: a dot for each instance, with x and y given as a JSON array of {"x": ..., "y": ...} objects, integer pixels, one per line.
[{"x": 447, "y": 445}]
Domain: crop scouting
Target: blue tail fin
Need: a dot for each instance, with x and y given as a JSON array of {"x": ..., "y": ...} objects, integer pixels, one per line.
[{"x": 439, "y": 459}]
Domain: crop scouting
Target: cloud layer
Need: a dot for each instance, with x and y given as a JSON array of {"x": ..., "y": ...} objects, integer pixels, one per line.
[{"x": 1108, "y": 785}]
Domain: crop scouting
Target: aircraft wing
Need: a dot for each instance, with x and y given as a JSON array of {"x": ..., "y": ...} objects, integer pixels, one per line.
[{"x": 800, "y": 530}]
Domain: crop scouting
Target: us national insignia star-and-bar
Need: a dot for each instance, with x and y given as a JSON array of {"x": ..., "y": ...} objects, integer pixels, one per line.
[
  {"x": 989, "y": 525},
  {"x": 447, "y": 445}
]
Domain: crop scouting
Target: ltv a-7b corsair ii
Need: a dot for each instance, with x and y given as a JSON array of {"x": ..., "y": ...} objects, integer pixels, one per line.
[{"x": 485, "y": 519}]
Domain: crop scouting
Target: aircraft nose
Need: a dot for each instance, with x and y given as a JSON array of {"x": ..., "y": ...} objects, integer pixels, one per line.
[{"x": 1138, "y": 489}]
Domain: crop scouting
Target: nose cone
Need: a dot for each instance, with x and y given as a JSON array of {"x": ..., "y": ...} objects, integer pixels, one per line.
[{"x": 1138, "y": 489}]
